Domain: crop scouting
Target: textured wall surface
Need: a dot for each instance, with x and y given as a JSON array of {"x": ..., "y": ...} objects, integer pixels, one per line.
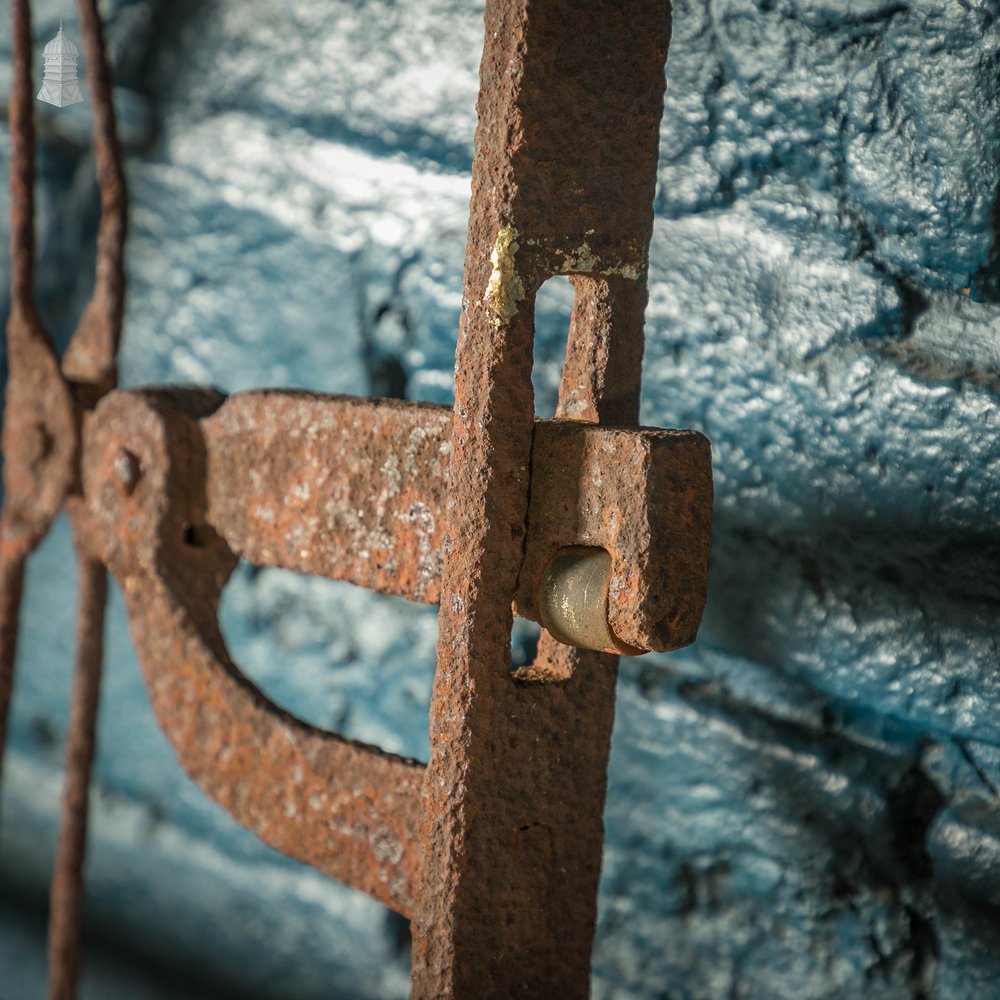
[{"x": 803, "y": 805}]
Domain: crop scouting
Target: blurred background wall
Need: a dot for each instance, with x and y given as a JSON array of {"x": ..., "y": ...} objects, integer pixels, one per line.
[{"x": 804, "y": 804}]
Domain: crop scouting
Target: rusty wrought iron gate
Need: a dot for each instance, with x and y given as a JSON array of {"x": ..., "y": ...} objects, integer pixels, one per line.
[{"x": 586, "y": 523}]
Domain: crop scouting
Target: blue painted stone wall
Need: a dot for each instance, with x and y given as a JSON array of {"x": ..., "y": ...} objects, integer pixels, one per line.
[{"x": 804, "y": 804}]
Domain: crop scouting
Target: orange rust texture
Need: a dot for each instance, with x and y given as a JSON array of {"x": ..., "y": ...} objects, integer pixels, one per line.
[
  {"x": 356, "y": 489},
  {"x": 179, "y": 481},
  {"x": 347, "y": 809},
  {"x": 494, "y": 847},
  {"x": 90, "y": 361},
  {"x": 66, "y": 891},
  {"x": 642, "y": 494},
  {"x": 569, "y": 108},
  {"x": 345, "y": 488},
  {"x": 39, "y": 432},
  {"x": 45, "y": 405}
]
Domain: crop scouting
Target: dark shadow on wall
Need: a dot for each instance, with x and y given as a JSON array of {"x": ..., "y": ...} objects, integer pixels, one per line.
[
  {"x": 107, "y": 963},
  {"x": 868, "y": 857},
  {"x": 901, "y": 617},
  {"x": 861, "y": 809}
]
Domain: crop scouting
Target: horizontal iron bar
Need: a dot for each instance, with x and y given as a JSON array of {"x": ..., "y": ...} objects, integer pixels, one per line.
[{"x": 356, "y": 489}]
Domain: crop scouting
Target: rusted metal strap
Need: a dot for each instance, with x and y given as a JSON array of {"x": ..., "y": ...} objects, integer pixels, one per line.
[
  {"x": 347, "y": 809},
  {"x": 90, "y": 360},
  {"x": 356, "y": 489},
  {"x": 563, "y": 177},
  {"x": 89, "y": 366}
]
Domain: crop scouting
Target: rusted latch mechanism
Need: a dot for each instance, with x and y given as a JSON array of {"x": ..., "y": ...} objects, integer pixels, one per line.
[
  {"x": 595, "y": 527},
  {"x": 353, "y": 489}
]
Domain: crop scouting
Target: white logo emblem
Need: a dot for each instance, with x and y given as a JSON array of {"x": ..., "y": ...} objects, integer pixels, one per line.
[{"x": 59, "y": 85}]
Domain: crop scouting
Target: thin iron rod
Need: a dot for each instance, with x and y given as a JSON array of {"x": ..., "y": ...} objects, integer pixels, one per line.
[
  {"x": 92, "y": 351},
  {"x": 107, "y": 150},
  {"x": 66, "y": 891},
  {"x": 11, "y": 588},
  {"x": 22, "y": 251},
  {"x": 22, "y": 160},
  {"x": 90, "y": 360}
]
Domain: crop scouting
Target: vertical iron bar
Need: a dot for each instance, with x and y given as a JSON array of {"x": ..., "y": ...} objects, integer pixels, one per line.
[
  {"x": 66, "y": 891},
  {"x": 22, "y": 252},
  {"x": 22, "y": 159},
  {"x": 566, "y": 148},
  {"x": 11, "y": 587},
  {"x": 90, "y": 359},
  {"x": 90, "y": 365}
]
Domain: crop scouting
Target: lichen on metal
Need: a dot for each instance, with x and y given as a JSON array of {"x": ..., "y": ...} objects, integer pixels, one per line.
[
  {"x": 583, "y": 260},
  {"x": 505, "y": 289}
]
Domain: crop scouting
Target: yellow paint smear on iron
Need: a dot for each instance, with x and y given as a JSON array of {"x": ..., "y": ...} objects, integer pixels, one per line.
[
  {"x": 583, "y": 259},
  {"x": 505, "y": 288}
]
